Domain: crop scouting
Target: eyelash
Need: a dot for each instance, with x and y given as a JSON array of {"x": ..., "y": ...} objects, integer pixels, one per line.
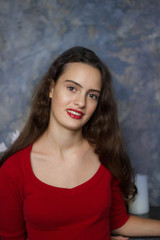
[
  {"x": 71, "y": 88},
  {"x": 91, "y": 95}
]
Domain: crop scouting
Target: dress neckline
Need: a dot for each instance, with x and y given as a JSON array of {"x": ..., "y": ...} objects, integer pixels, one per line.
[{"x": 83, "y": 186}]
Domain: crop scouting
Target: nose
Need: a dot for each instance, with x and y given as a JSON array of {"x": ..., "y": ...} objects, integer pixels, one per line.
[{"x": 80, "y": 100}]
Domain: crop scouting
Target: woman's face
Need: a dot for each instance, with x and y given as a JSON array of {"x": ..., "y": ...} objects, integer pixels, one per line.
[{"x": 75, "y": 96}]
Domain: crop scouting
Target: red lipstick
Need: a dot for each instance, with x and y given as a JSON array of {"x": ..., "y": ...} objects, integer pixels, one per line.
[{"x": 75, "y": 113}]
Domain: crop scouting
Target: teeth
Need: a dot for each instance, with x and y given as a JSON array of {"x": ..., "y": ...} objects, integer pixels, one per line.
[{"x": 73, "y": 112}]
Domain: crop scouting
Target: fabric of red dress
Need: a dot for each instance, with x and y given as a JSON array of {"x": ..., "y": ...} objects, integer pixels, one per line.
[{"x": 33, "y": 209}]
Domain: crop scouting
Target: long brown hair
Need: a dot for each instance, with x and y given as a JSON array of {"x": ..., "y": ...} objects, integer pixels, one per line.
[{"x": 102, "y": 129}]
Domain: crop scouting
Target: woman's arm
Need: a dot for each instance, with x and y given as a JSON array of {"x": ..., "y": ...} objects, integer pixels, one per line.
[
  {"x": 138, "y": 226},
  {"x": 119, "y": 238},
  {"x": 11, "y": 209}
]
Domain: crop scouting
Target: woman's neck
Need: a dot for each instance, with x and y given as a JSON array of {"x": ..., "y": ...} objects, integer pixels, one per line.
[{"x": 63, "y": 142}]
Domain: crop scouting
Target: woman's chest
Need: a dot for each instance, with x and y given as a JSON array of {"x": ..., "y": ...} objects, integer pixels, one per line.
[{"x": 58, "y": 207}]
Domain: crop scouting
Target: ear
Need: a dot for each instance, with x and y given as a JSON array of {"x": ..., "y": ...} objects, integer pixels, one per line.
[{"x": 51, "y": 89}]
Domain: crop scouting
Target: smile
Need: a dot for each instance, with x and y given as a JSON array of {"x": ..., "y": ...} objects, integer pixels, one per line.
[{"x": 75, "y": 114}]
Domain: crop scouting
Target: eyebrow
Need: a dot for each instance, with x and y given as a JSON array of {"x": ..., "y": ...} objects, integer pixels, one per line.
[{"x": 93, "y": 90}]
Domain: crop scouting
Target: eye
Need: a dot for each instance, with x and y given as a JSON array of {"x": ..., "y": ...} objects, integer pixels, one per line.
[
  {"x": 71, "y": 88},
  {"x": 93, "y": 96}
]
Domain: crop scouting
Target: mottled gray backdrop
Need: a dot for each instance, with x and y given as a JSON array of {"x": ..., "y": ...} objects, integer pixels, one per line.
[{"x": 124, "y": 33}]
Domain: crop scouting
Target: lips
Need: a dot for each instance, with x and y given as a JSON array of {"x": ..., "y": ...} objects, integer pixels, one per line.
[{"x": 75, "y": 113}]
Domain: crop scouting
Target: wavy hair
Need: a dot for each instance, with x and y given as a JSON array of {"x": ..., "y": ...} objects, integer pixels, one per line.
[{"x": 102, "y": 130}]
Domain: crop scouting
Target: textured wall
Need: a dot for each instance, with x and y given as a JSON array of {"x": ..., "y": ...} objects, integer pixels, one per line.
[{"x": 124, "y": 33}]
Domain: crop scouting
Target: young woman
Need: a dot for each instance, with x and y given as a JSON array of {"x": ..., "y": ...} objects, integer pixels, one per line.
[{"x": 67, "y": 176}]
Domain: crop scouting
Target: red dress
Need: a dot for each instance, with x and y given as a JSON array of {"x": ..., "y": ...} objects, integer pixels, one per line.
[{"x": 29, "y": 207}]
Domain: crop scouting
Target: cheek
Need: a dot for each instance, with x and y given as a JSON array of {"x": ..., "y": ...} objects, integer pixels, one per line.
[
  {"x": 59, "y": 101},
  {"x": 93, "y": 106}
]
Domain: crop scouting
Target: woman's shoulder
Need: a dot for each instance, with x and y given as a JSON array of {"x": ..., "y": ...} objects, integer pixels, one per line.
[
  {"x": 13, "y": 174},
  {"x": 16, "y": 162},
  {"x": 110, "y": 176}
]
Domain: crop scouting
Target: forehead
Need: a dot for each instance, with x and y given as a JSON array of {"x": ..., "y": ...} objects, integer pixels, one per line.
[{"x": 82, "y": 73}]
